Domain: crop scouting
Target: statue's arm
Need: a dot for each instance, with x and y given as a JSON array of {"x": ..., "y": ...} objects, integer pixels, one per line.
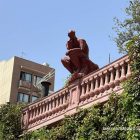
[{"x": 84, "y": 47}]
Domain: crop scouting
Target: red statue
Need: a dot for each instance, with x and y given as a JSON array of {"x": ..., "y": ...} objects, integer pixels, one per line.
[{"x": 77, "y": 60}]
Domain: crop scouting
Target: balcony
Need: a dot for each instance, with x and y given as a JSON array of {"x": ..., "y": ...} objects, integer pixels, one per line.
[
  {"x": 24, "y": 84},
  {"x": 91, "y": 89}
]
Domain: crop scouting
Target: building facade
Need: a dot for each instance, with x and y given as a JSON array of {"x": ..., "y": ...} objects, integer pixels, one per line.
[{"x": 18, "y": 79}]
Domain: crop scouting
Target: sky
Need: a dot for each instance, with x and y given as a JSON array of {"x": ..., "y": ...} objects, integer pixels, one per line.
[{"x": 37, "y": 30}]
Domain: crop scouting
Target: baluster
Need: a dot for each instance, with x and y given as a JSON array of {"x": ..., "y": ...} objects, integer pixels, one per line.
[
  {"x": 87, "y": 95},
  {"x": 52, "y": 102},
  {"x": 42, "y": 108},
  {"x": 96, "y": 84},
  {"x": 92, "y": 88},
  {"x": 83, "y": 89},
  {"x": 67, "y": 96},
  {"x": 53, "y": 105},
  {"x": 56, "y": 103},
  {"x": 117, "y": 81},
  {"x": 92, "y": 85},
  {"x": 122, "y": 71},
  {"x": 101, "y": 82},
  {"x": 101, "y": 79},
  {"x": 61, "y": 98},
  {"x": 47, "y": 106},
  {"x": 33, "y": 112},
  {"x": 87, "y": 87},
  {"x": 58, "y": 100},
  {"x": 64, "y": 99},
  {"x": 36, "y": 110},
  {"x": 111, "y": 76},
  {"x": 111, "y": 83},
  {"x": 39, "y": 109},
  {"x": 56, "y": 97},
  {"x": 106, "y": 85}
]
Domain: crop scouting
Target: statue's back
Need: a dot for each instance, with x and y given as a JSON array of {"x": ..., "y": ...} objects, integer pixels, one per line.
[{"x": 84, "y": 47}]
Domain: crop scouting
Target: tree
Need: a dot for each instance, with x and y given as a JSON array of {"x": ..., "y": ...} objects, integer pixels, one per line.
[
  {"x": 128, "y": 28},
  {"x": 128, "y": 41},
  {"x": 10, "y": 118}
]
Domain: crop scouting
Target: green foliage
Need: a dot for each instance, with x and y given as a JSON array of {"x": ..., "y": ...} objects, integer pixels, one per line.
[
  {"x": 128, "y": 28},
  {"x": 109, "y": 121},
  {"x": 10, "y": 118},
  {"x": 66, "y": 81}
]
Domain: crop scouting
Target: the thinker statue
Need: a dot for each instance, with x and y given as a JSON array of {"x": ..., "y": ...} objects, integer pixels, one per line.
[{"x": 77, "y": 60}]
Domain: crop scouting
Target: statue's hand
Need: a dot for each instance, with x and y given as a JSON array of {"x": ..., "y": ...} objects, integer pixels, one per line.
[{"x": 73, "y": 50}]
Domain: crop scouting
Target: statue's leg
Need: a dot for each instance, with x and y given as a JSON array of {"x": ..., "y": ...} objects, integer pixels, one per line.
[
  {"x": 75, "y": 59},
  {"x": 88, "y": 66},
  {"x": 68, "y": 64}
]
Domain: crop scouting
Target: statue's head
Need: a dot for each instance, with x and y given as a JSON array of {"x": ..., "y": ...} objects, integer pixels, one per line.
[{"x": 71, "y": 34}]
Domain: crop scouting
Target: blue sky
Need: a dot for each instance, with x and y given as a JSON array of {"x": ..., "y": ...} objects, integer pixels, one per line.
[{"x": 39, "y": 29}]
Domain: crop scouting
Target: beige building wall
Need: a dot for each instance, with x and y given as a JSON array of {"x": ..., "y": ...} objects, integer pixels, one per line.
[
  {"x": 10, "y": 80},
  {"x": 6, "y": 70}
]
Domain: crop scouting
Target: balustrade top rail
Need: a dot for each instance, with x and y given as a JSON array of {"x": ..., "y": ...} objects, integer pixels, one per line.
[{"x": 93, "y": 88}]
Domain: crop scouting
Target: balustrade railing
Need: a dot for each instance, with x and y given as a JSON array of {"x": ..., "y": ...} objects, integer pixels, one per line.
[{"x": 93, "y": 88}]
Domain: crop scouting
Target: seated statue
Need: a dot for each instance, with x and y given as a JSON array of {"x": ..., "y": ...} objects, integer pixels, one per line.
[{"x": 77, "y": 60}]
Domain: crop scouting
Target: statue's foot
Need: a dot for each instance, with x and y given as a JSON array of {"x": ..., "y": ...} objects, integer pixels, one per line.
[{"x": 75, "y": 76}]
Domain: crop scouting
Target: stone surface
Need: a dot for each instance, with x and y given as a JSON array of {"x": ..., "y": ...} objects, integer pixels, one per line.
[{"x": 77, "y": 60}]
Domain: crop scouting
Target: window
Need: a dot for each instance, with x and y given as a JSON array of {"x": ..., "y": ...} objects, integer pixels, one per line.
[
  {"x": 26, "y": 76},
  {"x": 34, "y": 98},
  {"x": 36, "y": 79},
  {"x": 22, "y": 97}
]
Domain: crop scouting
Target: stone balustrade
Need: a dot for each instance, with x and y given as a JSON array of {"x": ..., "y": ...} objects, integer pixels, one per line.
[{"x": 91, "y": 89}]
